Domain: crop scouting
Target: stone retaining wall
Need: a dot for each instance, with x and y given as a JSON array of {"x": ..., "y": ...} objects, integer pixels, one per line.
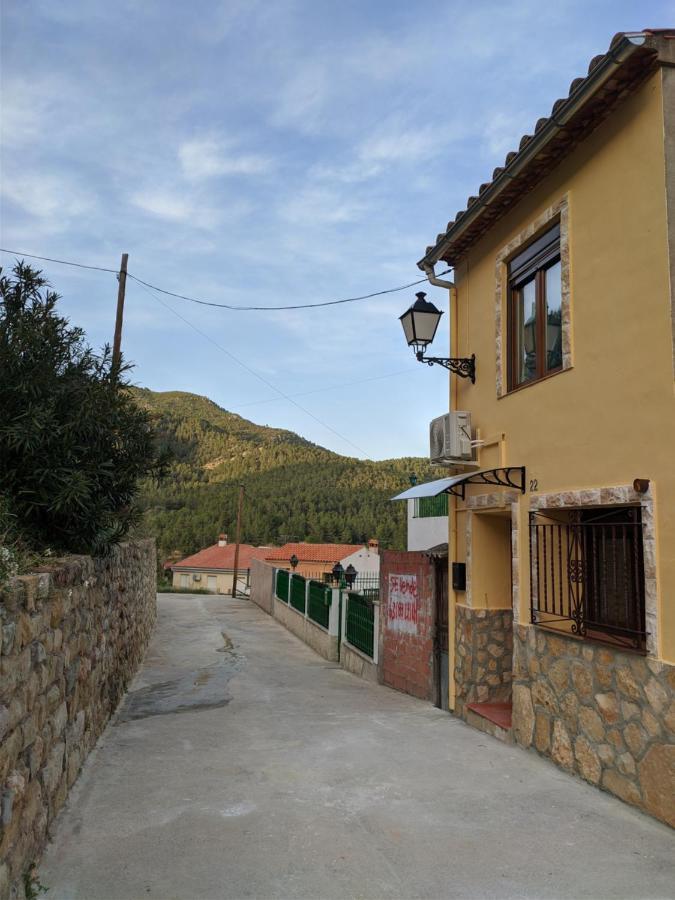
[
  {"x": 313, "y": 635},
  {"x": 483, "y": 655},
  {"x": 72, "y": 638},
  {"x": 604, "y": 714}
]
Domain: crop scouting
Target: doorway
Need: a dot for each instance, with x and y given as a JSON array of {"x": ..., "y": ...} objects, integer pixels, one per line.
[{"x": 441, "y": 634}]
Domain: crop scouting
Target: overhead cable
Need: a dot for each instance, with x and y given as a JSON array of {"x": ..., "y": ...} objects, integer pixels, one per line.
[
  {"x": 154, "y": 287},
  {"x": 258, "y": 376}
]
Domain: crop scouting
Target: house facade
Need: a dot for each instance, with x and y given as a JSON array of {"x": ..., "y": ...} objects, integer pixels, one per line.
[
  {"x": 562, "y": 628},
  {"x": 427, "y": 522},
  {"x": 212, "y": 569},
  {"x": 317, "y": 560}
]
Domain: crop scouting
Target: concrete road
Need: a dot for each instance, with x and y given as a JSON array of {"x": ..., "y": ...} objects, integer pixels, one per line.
[{"x": 243, "y": 765}]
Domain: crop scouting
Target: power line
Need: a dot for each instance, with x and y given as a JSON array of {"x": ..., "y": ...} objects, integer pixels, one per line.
[
  {"x": 394, "y": 290},
  {"x": 61, "y": 262},
  {"x": 333, "y": 387},
  {"x": 154, "y": 287},
  {"x": 258, "y": 376}
]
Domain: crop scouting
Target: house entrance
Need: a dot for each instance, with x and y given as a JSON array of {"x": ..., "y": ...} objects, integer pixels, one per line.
[{"x": 491, "y": 614}]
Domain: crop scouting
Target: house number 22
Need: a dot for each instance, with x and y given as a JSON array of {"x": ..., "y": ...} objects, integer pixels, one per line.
[{"x": 534, "y": 484}]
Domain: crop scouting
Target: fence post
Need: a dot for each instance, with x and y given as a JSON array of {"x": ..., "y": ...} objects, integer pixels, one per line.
[
  {"x": 334, "y": 615},
  {"x": 308, "y": 581},
  {"x": 376, "y": 630},
  {"x": 344, "y": 600}
]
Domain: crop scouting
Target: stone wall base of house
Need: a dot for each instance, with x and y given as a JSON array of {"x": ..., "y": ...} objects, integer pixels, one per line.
[
  {"x": 71, "y": 638},
  {"x": 483, "y": 656},
  {"x": 313, "y": 635},
  {"x": 358, "y": 664},
  {"x": 601, "y": 713}
]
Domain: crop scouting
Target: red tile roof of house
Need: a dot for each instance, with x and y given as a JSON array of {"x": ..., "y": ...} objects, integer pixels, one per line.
[
  {"x": 216, "y": 557},
  {"x": 313, "y": 552}
]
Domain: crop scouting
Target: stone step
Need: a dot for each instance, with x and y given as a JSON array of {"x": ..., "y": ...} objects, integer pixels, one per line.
[{"x": 491, "y": 718}]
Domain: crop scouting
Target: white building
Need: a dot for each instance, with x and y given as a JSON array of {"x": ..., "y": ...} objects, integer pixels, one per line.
[{"x": 427, "y": 522}]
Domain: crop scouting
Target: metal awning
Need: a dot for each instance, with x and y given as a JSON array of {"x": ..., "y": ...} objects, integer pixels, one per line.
[{"x": 507, "y": 476}]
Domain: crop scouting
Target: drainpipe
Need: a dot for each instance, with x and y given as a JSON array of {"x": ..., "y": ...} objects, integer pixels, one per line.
[{"x": 452, "y": 517}]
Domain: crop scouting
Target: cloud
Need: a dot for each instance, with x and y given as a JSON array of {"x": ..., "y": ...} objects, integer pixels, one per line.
[
  {"x": 203, "y": 158},
  {"x": 320, "y": 206},
  {"x": 52, "y": 198}
]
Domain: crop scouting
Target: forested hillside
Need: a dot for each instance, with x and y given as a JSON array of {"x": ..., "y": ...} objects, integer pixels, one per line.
[{"x": 295, "y": 490}]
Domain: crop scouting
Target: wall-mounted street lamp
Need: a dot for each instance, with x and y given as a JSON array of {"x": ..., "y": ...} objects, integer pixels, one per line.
[
  {"x": 350, "y": 575},
  {"x": 419, "y": 326},
  {"x": 294, "y": 562},
  {"x": 338, "y": 572}
]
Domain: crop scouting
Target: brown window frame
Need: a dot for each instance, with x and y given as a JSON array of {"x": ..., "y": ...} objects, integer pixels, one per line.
[{"x": 531, "y": 264}]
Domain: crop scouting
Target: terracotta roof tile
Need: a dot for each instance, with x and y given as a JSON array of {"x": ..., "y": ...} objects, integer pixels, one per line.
[
  {"x": 216, "y": 557},
  {"x": 313, "y": 552}
]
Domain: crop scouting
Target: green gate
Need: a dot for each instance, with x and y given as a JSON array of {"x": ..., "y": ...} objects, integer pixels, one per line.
[
  {"x": 282, "y": 585},
  {"x": 298, "y": 593},
  {"x": 360, "y": 623},
  {"x": 319, "y": 603}
]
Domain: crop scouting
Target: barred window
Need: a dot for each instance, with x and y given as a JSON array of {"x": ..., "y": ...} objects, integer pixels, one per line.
[{"x": 587, "y": 570}]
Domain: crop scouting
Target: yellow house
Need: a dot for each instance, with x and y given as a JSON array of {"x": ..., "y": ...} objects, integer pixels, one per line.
[{"x": 563, "y": 520}]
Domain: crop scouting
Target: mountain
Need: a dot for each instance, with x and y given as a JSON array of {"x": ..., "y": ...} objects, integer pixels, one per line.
[{"x": 294, "y": 490}]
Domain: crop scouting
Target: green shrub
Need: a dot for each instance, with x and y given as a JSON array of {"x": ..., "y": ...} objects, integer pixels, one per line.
[{"x": 73, "y": 442}]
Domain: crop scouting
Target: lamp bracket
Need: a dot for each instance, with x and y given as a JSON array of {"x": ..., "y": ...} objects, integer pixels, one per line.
[{"x": 465, "y": 367}]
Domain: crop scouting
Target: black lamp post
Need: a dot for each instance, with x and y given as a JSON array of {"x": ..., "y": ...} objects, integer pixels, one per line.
[
  {"x": 338, "y": 572},
  {"x": 293, "y": 561},
  {"x": 350, "y": 575},
  {"x": 419, "y": 326}
]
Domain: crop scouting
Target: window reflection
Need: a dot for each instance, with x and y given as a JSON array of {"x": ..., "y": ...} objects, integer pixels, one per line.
[
  {"x": 527, "y": 332},
  {"x": 553, "y": 318}
]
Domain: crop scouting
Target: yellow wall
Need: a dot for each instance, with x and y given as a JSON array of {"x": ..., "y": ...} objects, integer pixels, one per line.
[
  {"x": 491, "y": 542},
  {"x": 611, "y": 417}
]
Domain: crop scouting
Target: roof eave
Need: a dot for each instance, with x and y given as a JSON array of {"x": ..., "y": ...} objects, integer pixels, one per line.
[{"x": 614, "y": 58}]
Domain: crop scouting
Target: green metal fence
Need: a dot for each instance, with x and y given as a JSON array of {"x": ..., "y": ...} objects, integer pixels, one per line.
[
  {"x": 319, "y": 603},
  {"x": 298, "y": 593},
  {"x": 360, "y": 622},
  {"x": 282, "y": 585}
]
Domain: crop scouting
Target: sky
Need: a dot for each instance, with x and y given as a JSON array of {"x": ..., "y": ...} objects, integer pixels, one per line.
[{"x": 274, "y": 153}]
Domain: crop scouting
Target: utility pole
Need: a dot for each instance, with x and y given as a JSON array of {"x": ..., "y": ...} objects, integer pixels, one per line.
[
  {"x": 236, "y": 549},
  {"x": 117, "y": 340}
]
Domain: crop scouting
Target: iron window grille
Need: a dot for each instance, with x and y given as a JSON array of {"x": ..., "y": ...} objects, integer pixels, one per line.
[{"x": 587, "y": 569}]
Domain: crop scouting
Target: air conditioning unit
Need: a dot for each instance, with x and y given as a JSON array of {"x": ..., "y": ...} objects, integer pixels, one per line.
[{"x": 450, "y": 439}]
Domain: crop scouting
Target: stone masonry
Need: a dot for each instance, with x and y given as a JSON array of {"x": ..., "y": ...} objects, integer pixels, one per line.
[
  {"x": 604, "y": 714},
  {"x": 71, "y": 639},
  {"x": 483, "y": 653}
]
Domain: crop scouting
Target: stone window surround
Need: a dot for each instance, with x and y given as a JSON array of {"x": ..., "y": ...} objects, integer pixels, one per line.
[
  {"x": 617, "y": 495},
  {"x": 558, "y": 210}
]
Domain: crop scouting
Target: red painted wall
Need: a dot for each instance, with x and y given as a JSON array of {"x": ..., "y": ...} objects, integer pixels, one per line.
[{"x": 406, "y": 622}]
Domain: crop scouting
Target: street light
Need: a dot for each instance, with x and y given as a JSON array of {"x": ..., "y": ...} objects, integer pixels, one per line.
[
  {"x": 294, "y": 561},
  {"x": 338, "y": 572},
  {"x": 350, "y": 575},
  {"x": 420, "y": 323}
]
